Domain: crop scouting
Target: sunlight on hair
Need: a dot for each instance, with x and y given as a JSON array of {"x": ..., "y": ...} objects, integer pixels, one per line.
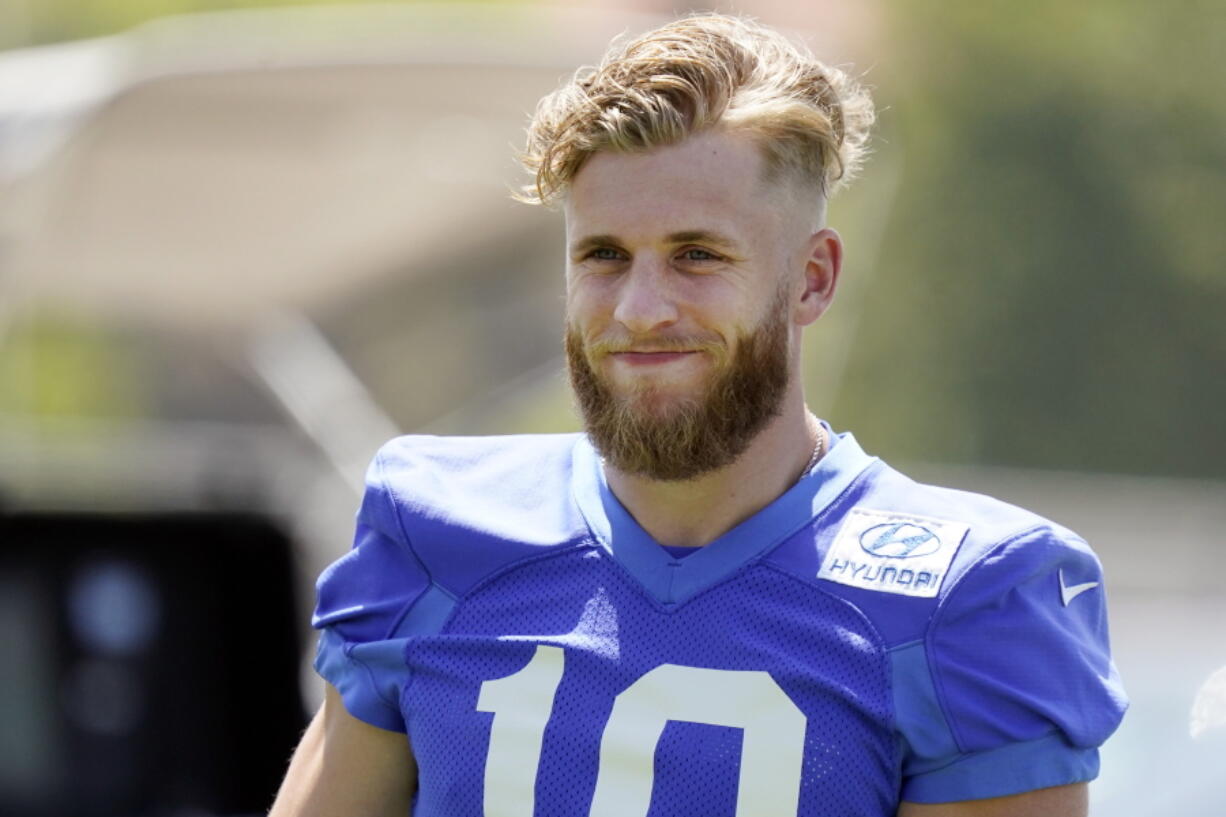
[
  {"x": 1209, "y": 707},
  {"x": 700, "y": 72}
]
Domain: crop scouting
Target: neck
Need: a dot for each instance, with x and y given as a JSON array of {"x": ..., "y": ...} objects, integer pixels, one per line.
[{"x": 695, "y": 512}]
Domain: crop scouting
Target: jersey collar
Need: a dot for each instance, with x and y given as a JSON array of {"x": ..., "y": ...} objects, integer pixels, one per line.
[{"x": 672, "y": 581}]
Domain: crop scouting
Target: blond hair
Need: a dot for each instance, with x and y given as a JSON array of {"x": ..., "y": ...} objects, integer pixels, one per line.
[{"x": 710, "y": 70}]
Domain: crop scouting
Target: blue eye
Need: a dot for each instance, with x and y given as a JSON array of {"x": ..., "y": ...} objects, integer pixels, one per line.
[
  {"x": 604, "y": 254},
  {"x": 696, "y": 254}
]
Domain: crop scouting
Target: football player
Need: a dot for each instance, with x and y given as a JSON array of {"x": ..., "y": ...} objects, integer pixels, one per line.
[{"x": 709, "y": 603}]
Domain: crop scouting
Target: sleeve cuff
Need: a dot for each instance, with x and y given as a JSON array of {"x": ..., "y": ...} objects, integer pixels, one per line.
[
  {"x": 1011, "y": 769},
  {"x": 355, "y": 679}
]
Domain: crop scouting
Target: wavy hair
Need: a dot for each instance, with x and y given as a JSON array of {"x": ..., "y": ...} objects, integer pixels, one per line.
[{"x": 811, "y": 120}]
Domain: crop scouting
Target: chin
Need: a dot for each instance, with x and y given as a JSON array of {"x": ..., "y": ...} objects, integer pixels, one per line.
[
  {"x": 691, "y": 382},
  {"x": 659, "y": 402}
]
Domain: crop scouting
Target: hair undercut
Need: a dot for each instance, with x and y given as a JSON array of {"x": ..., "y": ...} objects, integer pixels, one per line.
[{"x": 702, "y": 72}]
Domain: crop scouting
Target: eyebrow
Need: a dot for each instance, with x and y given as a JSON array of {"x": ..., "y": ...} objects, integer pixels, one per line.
[
  {"x": 591, "y": 242},
  {"x": 683, "y": 237},
  {"x": 703, "y": 237}
]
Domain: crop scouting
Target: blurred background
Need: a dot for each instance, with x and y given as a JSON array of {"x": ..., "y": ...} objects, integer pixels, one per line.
[{"x": 242, "y": 245}]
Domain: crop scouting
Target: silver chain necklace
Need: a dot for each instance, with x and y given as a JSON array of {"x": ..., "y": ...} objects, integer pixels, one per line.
[{"x": 819, "y": 450}]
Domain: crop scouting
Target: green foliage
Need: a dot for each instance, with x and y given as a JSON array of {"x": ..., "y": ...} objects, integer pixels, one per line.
[
  {"x": 66, "y": 368},
  {"x": 1058, "y": 231}
]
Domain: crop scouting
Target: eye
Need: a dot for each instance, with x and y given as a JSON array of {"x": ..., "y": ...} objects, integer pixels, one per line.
[
  {"x": 698, "y": 255},
  {"x": 601, "y": 256}
]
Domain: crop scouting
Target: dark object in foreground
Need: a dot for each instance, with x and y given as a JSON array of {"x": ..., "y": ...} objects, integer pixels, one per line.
[{"x": 147, "y": 663}]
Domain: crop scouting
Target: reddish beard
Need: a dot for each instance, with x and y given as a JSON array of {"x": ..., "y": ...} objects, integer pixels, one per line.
[{"x": 700, "y": 434}]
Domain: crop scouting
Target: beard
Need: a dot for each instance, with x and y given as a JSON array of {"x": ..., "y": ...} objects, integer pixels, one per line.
[{"x": 700, "y": 433}]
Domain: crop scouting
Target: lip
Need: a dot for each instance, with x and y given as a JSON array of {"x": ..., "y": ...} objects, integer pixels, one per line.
[{"x": 650, "y": 358}]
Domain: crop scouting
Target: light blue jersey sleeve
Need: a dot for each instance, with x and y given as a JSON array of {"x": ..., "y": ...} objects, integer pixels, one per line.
[
  {"x": 363, "y": 600},
  {"x": 1012, "y": 688}
]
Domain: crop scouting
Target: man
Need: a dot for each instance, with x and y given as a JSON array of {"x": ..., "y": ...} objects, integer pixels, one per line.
[{"x": 709, "y": 603}]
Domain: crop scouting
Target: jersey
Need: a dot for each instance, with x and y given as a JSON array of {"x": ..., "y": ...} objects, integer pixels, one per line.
[{"x": 862, "y": 640}]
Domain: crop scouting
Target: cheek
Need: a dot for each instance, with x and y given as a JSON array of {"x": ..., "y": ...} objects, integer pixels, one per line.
[
  {"x": 588, "y": 302},
  {"x": 733, "y": 316}
]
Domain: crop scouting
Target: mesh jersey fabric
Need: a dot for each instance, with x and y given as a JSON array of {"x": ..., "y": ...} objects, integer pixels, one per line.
[
  {"x": 613, "y": 635},
  {"x": 676, "y": 681}
]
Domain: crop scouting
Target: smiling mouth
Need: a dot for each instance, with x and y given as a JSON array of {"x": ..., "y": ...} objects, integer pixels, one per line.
[{"x": 644, "y": 358}]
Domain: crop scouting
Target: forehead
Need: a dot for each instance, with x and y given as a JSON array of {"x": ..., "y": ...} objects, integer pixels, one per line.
[{"x": 710, "y": 181}]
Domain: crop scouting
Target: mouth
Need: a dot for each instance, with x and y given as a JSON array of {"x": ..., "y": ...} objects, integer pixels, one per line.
[{"x": 636, "y": 357}]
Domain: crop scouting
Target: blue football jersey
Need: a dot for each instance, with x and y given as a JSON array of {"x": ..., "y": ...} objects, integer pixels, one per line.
[{"x": 862, "y": 640}]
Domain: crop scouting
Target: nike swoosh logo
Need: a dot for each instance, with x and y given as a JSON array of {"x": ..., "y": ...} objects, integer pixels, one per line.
[{"x": 1068, "y": 592}]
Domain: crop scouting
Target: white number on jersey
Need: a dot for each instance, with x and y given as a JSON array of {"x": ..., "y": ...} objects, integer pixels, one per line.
[
  {"x": 521, "y": 704},
  {"x": 772, "y": 748}
]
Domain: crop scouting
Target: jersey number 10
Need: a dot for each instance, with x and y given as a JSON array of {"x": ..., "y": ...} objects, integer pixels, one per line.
[{"x": 772, "y": 747}]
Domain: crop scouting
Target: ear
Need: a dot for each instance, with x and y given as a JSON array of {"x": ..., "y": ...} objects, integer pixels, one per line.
[{"x": 823, "y": 262}]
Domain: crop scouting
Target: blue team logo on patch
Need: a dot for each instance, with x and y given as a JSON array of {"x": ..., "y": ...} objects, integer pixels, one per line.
[{"x": 899, "y": 540}]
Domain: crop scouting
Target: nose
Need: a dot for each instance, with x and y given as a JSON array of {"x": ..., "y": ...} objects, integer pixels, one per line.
[{"x": 645, "y": 301}]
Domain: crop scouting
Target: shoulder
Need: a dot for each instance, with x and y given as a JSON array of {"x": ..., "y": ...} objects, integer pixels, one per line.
[
  {"x": 417, "y": 469},
  {"x": 468, "y": 505},
  {"x": 439, "y": 515},
  {"x": 995, "y": 622},
  {"x": 987, "y": 521},
  {"x": 999, "y": 533},
  {"x": 904, "y": 551}
]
